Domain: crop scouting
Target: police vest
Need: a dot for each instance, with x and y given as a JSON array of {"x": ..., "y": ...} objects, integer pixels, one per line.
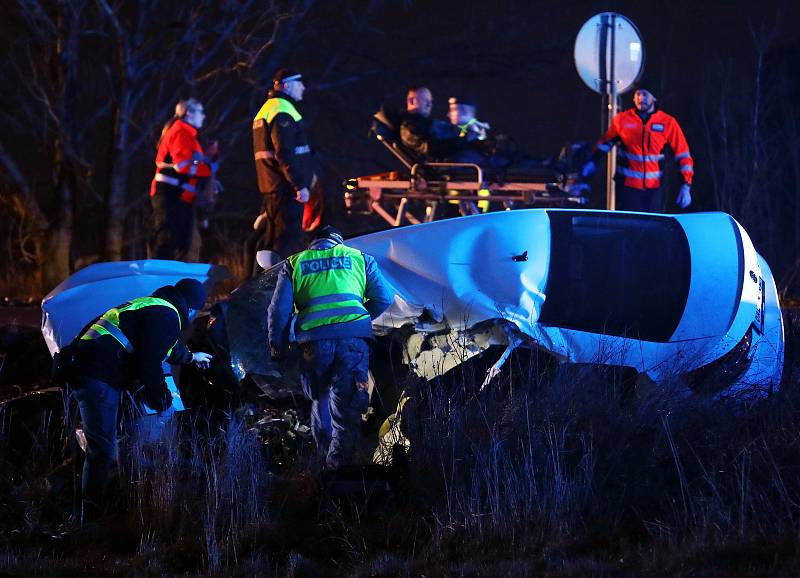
[
  {"x": 263, "y": 118},
  {"x": 108, "y": 324},
  {"x": 328, "y": 286}
]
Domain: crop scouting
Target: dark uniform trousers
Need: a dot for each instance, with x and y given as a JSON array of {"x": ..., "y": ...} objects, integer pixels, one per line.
[
  {"x": 281, "y": 230},
  {"x": 334, "y": 375},
  {"x": 640, "y": 200},
  {"x": 172, "y": 222}
]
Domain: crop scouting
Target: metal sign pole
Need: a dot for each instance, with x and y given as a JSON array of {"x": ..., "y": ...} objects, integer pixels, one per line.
[
  {"x": 609, "y": 70},
  {"x": 611, "y": 159}
]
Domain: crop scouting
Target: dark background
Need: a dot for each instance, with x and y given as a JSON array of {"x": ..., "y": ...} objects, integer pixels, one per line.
[{"x": 727, "y": 70}]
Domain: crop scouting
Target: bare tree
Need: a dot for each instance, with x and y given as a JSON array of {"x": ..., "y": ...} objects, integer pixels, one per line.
[
  {"x": 46, "y": 112},
  {"x": 751, "y": 140},
  {"x": 96, "y": 81}
]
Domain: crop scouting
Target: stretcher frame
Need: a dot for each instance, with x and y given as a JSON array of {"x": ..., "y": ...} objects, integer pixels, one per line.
[
  {"x": 446, "y": 186},
  {"x": 376, "y": 191}
]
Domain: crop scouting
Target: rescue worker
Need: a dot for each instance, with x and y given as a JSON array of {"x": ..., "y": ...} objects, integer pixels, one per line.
[
  {"x": 126, "y": 343},
  {"x": 181, "y": 164},
  {"x": 336, "y": 291},
  {"x": 284, "y": 168},
  {"x": 461, "y": 113},
  {"x": 642, "y": 133}
]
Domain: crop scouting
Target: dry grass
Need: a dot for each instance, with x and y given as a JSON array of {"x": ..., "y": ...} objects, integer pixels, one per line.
[{"x": 552, "y": 471}]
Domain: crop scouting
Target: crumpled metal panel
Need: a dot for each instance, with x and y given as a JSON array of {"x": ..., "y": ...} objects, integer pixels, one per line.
[
  {"x": 464, "y": 270},
  {"x": 246, "y": 322}
]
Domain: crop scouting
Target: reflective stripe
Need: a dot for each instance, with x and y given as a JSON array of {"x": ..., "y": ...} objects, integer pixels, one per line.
[
  {"x": 640, "y": 158},
  {"x": 169, "y": 180},
  {"x": 464, "y": 128},
  {"x": 687, "y": 169},
  {"x": 639, "y": 174},
  {"x": 112, "y": 329},
  {"x": 183, "y": 164},
  {"x": 685, "y": 155},
  {"x": 161, "y": 178},
  {"x": 303, "y": 318},
  {"x": 301, "y": 150},
  {"x": 108, "y": 322},
  {"x": 165, "y": 166},
  {"x": 333, "y": 299}
]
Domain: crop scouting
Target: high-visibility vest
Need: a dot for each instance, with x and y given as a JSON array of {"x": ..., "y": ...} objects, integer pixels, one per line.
[
  {"x": 108, "y": 323},
  {"x": 273, "y": 106},
  {"x": 262, "y": 144},
  {"x": 328, "y": 286}
]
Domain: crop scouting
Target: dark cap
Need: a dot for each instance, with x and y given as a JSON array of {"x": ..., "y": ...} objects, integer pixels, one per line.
[
  {"x": 645, "y": 82},
  {"x": 462, "y": 100},
  {"x": 193, "y": 292},
  {"x": 329, "y": 232},
  {"x": 285, "y": 75}
]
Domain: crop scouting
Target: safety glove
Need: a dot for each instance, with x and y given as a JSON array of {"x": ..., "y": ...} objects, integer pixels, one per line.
[
  {"x": 201, "y": 359},
  {"x": 684, "y": 196}
]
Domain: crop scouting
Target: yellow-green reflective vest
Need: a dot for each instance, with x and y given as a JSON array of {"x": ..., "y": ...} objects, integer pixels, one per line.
[
  {"x": 328, "y": 286},
  {"x": 108, "y": 323},
  {"x": 274, "y": 106}
]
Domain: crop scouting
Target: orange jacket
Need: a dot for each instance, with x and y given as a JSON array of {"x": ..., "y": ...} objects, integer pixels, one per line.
[
  {"x": 180, "y": 160},
  {"x": 642, "y": 147}
]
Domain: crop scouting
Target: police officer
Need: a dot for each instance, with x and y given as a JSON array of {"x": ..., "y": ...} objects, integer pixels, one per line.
[
  {"x": 127, "y": 342},
  {"x": 337, "y": 291},
  {"x": 284, "y": 168}
]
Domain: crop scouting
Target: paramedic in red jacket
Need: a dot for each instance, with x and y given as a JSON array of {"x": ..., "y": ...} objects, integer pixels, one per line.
[
  {"x": 642, "y": 133},
  {"x": 181, "y": 168}
]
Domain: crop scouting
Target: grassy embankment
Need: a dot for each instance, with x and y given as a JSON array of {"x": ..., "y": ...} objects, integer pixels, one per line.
[{"x": 558, "y": 472}]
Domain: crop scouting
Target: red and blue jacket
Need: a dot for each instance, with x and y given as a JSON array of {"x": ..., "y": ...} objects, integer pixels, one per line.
[{"x": 641, "y": 147}]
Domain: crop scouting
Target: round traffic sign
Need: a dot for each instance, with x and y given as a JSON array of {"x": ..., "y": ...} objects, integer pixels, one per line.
[{"x": 609, "y": 53}]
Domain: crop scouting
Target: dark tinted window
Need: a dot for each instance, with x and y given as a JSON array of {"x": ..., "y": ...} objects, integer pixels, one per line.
[{"x": 617, "y": 274}]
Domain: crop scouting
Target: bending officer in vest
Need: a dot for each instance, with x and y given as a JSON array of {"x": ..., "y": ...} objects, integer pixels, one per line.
[
  {"x": 284, "y": 166},
  {"x": 336, "y": 291},
  {"x": 126, "y": 343}
]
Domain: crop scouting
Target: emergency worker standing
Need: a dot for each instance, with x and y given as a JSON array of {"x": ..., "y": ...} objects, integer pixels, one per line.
[
  {"x": 642, "y": 133},
  {"x": 336, "y": 291},
  {"x": 126, "y": 343},
  {"x": 180, "y": 166},
  {"x": 285, "y": 170}
]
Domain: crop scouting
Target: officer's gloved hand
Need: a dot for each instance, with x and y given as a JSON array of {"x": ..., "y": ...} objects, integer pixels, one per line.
[
  {"x": 684, "y": 196},
  {"x": 303, "y": 195},
  {"x": 159, "y": 400},
  {"x": 201, "y": 359},
  {"x": 588, "y": 169}
]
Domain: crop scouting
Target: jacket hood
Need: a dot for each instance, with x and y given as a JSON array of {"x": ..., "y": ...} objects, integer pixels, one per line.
[{"x": 171, "y": 294}]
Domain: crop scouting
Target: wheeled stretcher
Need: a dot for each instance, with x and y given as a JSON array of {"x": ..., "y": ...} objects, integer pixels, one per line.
[{"x": 423, "y": 190}]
